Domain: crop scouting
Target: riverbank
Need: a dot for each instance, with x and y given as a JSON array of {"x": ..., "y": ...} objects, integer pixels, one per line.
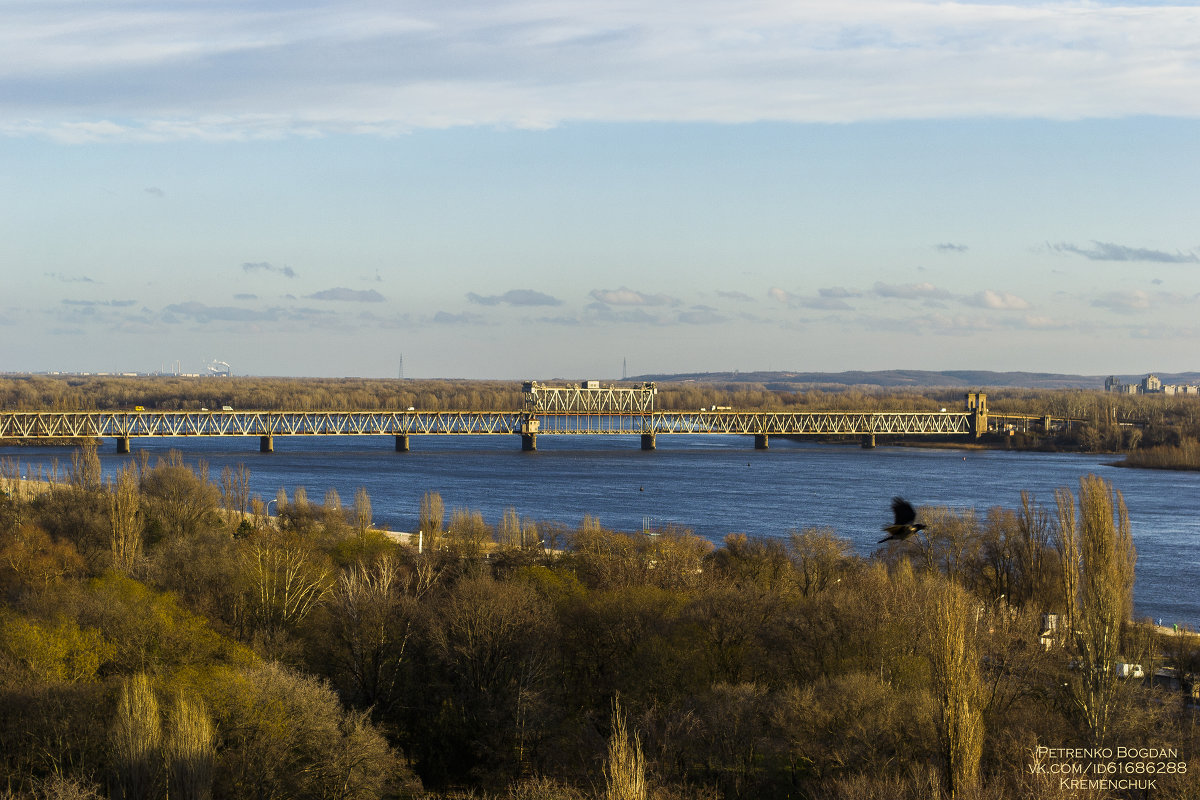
[{"x": 1183, "y": 456}]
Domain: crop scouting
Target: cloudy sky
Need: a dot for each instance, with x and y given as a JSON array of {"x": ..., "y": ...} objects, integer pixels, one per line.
[{"x": 541, "y": 188}]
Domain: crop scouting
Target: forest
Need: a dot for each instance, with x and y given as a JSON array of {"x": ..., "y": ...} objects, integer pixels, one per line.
[{"x": 162, "y": 636}]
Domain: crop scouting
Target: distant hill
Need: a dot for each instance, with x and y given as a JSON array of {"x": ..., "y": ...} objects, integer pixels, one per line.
[{"x": 899, "y": 378}]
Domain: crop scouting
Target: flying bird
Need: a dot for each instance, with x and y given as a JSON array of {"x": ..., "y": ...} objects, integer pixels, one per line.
[{"x": 904, "y": 526}]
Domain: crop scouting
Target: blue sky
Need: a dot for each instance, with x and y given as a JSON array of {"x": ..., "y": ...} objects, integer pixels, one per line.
[{"x": 520, "y": 189}]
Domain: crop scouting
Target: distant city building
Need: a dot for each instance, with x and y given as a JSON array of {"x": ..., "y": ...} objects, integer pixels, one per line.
[{"x": 1151, "y": 384}]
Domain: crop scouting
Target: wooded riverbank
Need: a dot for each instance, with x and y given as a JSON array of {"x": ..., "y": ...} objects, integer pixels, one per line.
[{"x": 755, "y": 667}]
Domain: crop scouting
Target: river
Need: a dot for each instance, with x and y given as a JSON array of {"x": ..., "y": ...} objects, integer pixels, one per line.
[{"x": 712, "y": 485}]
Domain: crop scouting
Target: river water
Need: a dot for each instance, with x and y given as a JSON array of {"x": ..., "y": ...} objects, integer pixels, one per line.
[{"x": 713, "y": 485}]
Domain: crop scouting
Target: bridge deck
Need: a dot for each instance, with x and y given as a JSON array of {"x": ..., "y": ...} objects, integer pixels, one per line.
[{"x": 125, "y": 425}]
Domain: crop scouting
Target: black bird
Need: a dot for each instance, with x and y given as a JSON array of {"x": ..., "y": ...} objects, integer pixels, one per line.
[{"x": 904, "y": 526}]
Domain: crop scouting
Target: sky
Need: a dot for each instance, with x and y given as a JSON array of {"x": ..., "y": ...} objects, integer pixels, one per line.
[{"x": 539, "y": 189}]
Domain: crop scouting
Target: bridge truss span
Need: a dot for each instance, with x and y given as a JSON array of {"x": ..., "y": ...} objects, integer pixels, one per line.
[
  {"x": 120, "y": 424},
  {"x": 819, "y": 423},
  {"x": 588, "y": 397}
]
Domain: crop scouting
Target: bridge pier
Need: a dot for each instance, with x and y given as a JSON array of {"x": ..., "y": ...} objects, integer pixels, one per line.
[
  {"x": 648, "y": 442},
  {"x": 761, "y": 442},
  {"x": 122, "y": 445},
  {"x": 529, "y": 442},
  {"x": 266, "y": 444},
  {"x": 402, "y": 443},
  {"x": 868, "y": 441}
]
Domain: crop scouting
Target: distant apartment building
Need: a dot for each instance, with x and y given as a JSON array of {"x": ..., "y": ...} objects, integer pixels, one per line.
[
  {"x": 1180, "y": 389},
  {"x": 1151, "y": 384},
  {"x": 1113, "y": 384}
]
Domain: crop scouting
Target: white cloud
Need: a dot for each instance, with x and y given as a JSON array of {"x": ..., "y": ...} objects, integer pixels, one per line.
[
  {"x": 701, "y": 315},
  {"x": 628, "y": 297},
  {"x": 515, "y": 297},
  {"x": 448, "y": 318},
  {"x": 826, "y": 299},
  {"x": 138, "y": 69},
  {"x": 266, "y": 266},
  {"x": 910, "y": 291},
  {"x": 201, "y": 312},
  {"x": 998, "y": 300},
  {"x": 1108, "y": 251},
  {"x": 1123, "y": 301},
  {"x": 780, "y": 295},
  {"x": 342, "y": 294},
  {"x": 1040, "y": 322}
]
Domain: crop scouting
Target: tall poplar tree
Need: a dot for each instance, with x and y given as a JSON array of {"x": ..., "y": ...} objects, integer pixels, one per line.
[{"x": 1098, "y": 558}]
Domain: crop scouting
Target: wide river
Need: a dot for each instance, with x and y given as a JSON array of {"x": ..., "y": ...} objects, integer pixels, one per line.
[{"x": 713, "y": 485}]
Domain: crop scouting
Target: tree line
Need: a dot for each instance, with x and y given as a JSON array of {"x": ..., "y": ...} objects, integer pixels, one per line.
[{"x": 161, "y": 635}]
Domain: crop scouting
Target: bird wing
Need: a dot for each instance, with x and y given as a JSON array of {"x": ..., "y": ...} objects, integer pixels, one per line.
[{"x": 903, "y": 510}]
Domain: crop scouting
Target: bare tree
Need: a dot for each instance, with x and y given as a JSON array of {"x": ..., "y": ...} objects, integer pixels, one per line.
[
  {"x": 189, "y": 750},
  {"x": 125, "y": 519},
  {"x": 333, "y": 502},
  {"x": 372, "y": 621},
  {"x": 285, "y": 580},
  {"x": 235, "y": 490},
  {"x": 468, "y": 533},
  {"x": 494, "y": 642},
  {"x": 530, "y": 535},
  {"x": 1031, "y": 553},
  {"x": 135, "y": 738},
  {"x": 508, "y": 533},
  {"x": 949, "y": 541},
  {"x": 362, "y": 511},
  {"x": 1098, "y": 559},
  {"x": 10, "y": 478},
  {"x": 179, "y": 498},
  {"x": 819, "y": 557},
  {"x": 258, "y": 511},
  {"x": 289, "y": 737},
  {"x": 431, "y": 518},
  {"x": 1066, "y": 544},
  {"x": 85, "y": 466},
  {"x": 954, "y": 668},
  {"x": 675, "y": 559},
  {"x": 625, "y": 766}
]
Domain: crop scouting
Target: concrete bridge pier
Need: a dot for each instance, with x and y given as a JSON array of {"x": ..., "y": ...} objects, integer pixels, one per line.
[
  {"x": 122, "y": 445},
  {"x": 648, "y": 442},
  {"x": 868, "y": 441},
  {"x": 266, "y": 444},
  {"x": 529, "y": 431},
  {"x": 402, "y": 443},
  {"x": 760, "y": 441}
]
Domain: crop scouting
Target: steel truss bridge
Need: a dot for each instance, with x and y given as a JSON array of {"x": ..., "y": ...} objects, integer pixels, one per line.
[
  {"x": 547, "y": 411},
  {"x": 124, "y": 426}
]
